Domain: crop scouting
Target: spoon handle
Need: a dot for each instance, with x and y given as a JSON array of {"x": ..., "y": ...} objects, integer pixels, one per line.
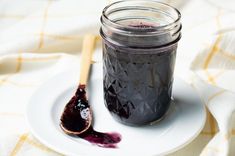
[{"x": 86, "y": 56}]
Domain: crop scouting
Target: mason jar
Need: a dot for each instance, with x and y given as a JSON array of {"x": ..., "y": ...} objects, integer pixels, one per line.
[{"x": 139, "y": 49}]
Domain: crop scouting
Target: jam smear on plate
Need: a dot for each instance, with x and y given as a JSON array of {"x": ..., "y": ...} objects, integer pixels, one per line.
[{"x": 107, "y": 140}]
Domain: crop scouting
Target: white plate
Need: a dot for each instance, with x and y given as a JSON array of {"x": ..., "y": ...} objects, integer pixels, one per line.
[{"x": 183, "y": 123}]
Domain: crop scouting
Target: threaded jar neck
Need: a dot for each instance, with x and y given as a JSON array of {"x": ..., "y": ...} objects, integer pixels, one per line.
[{"x": 140, "y": 24}]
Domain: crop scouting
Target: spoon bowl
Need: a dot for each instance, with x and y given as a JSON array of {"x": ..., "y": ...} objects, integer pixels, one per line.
[{"x": 77, "y": 115}]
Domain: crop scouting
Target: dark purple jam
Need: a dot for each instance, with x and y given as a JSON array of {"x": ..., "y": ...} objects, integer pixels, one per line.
[
  {"x": 77, "y": 117},
  {"x": 106, "y": 140},
  {"x": 139, "y": 50},
  {"x": 138, "y": 80}
]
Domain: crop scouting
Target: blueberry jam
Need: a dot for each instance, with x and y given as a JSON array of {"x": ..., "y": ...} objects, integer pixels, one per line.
[
  {"x": 77, "y": 114},
  {"x": 137, "y": 87},
  {"x": 138, "y": 79},
  {"x": 140, "y": 39},
  {"x": 77, "y": 118},
  {"x": 107, "y": 140}
]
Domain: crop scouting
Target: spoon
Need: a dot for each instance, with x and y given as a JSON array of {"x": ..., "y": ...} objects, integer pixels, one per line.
[{"x": 77, "y": 115}]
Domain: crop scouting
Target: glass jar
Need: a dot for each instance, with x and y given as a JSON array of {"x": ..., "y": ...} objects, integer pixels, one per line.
[{"x": 139, "y": 48}]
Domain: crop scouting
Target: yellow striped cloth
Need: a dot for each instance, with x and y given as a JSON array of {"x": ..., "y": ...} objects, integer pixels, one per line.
[{"x": 41, "y": 38}]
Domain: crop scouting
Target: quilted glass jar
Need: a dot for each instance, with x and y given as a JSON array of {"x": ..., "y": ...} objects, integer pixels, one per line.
[{"x": 139, "y": 49}]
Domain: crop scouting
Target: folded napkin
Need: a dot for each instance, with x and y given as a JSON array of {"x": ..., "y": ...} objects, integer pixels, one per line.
[
  {"x": 41, "y": 38},
  {"x": 215, "y": 64}
]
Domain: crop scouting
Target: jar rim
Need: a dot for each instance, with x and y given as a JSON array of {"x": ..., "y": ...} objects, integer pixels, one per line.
[{"x": 154, "y": 29}]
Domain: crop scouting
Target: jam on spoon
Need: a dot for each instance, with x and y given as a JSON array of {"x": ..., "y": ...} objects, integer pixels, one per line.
[
  {"x": 77, "y": 116},
  {"x": 76, "y": 119}
]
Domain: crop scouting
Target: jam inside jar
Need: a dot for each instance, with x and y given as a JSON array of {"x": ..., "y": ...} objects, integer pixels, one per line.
[{"x": 139, "y": 50}]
